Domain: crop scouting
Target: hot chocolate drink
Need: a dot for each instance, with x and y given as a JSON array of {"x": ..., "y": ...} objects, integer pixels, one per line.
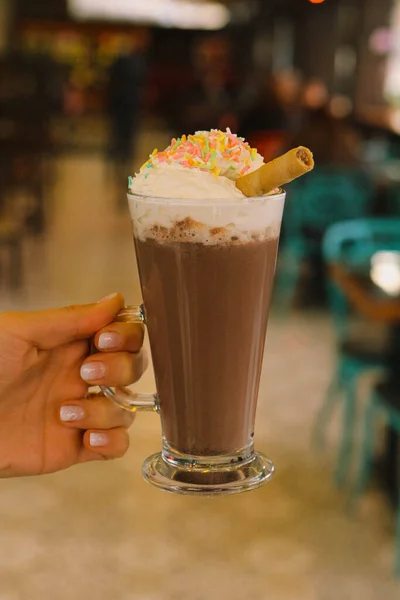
[
  {"x": 206, "y": 253},
  {"x": 207, "y": 294}
]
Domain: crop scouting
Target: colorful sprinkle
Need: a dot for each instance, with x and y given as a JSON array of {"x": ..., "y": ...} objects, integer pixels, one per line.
[
  {"x": 214, "y": 151},
  {"x": 178, "y": 141}
]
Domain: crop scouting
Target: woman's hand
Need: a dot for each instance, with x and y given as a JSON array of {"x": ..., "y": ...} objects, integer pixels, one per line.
[{"x": 48, "y": 422}]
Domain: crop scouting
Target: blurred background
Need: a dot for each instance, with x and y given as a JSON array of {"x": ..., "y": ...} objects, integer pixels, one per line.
[{"x": 87, "y": 89}]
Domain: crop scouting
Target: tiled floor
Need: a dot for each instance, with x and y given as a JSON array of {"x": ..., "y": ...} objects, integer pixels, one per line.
[{"x": 99, "y": 532}]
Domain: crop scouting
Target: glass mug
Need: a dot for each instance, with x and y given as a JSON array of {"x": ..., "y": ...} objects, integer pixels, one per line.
[{"x": 206, "y": 269}]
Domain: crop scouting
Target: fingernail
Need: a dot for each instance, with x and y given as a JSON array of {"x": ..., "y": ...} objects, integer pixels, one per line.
[
  {"x": 92, "y": 371},
  {"x": 108, "y": 297},
  {"x": 71, "y": 413},
  {"x": 109, "y": 340},
  {"x": 98, "y": 439}
]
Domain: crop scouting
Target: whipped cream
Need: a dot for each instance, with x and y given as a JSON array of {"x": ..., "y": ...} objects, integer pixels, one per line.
[
  {"x": 175, "y": 181},
  {"x": 193, "y": 182},
  {"x": 203, "y": 165}
]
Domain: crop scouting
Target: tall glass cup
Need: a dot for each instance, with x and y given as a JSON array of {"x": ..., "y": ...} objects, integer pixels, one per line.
[{"x": 206, "y": 270}]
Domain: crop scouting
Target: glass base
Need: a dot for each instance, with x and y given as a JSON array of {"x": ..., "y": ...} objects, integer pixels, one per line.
[{"x": 207, "y": 480}]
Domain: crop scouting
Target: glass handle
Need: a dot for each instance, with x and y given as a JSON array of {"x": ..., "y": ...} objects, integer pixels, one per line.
[{"x": 124, "y": 397}]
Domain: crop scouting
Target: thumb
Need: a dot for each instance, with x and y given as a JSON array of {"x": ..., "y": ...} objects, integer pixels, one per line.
[{"x": 48, "y": 329}]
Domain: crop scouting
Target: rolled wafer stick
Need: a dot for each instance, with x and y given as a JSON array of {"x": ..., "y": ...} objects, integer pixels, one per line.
[{"x": 276, "y": 173}]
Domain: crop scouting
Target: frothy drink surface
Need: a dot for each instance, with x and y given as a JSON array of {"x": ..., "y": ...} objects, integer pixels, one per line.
[{"x": 207, "y": 302}]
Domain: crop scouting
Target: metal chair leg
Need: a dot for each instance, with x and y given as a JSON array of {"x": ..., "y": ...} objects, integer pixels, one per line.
[
  {"x": 318, "y": 436},
  {"x": 367, "y": 449},
  {"x": 346, "y": 446}
]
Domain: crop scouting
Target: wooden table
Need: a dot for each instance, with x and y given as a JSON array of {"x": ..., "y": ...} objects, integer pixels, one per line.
[
  {"x": 372, "y": 303},
  {"x": 365, "y": 296}
]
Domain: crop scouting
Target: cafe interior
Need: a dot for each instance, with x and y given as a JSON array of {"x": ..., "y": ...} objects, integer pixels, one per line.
[{"x": 74, "y": 124}]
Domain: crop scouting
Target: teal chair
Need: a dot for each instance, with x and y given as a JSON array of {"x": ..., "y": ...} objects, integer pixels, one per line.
[
  {"x": 384, "y": 403},
  {"x": 315, "y": 202},
  {"x": 351, "y": 243}
]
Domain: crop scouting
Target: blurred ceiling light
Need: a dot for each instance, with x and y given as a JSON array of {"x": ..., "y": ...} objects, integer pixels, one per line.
[
  {"x": 316, "y": 1},
  {"x": 182, "y": 14},
  {"x": 385, "y": 272}
]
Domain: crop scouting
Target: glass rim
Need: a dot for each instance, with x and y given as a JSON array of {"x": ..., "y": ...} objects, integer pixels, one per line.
[{"x": 209, "y": 201}]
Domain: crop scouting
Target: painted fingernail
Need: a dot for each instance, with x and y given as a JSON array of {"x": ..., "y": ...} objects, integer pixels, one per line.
[
  {"x": 98, "y": 439},
  {"x": 109, "y": 340},
  {"x": 71, "y": 413},
  {"x": 108, "y": 297},
  {"x": 92, "y": 371}
]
